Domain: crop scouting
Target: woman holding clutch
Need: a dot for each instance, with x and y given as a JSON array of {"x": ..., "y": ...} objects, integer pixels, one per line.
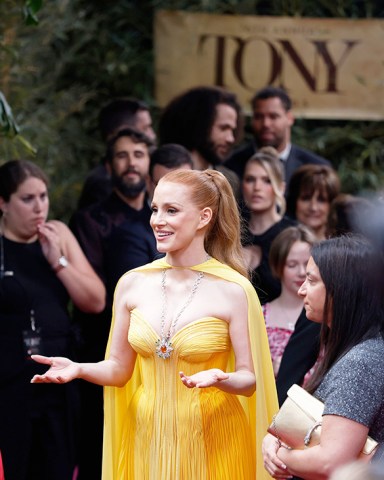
[{"x": 343, "y": 292}]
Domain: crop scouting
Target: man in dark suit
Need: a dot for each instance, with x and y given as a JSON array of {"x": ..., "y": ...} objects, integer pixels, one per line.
[{"x": 271, "y": 123}]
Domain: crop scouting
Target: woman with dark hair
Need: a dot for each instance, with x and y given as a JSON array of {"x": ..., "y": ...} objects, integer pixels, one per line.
[
  {"x": 343, "y": 292},
  {"x": 42, "y": 268},
  {"x": 183, "y": 361},
  {"x": 310, "y": 193},
  {"x": 346, "y": 213}
]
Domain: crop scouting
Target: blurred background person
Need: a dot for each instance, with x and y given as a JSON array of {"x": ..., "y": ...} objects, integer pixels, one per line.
[
  {"x": 288, "y": 258},
  {"x": 118, "y": 114},
  {"x": 310, "y": 193},
  {"x": 263, "y": 195},
  {"x": 207, "y": 121},
  {"x": 165, "y": 158},
  {"x": 42, "y": 268},
  {"x": 272, "y": 121},
  {"x": 344, "y": 213}
]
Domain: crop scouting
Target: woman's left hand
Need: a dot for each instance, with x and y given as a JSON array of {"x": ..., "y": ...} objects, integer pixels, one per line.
[
  {"x": 205, "y": 378},
  {"x": 273, "y": 465}
]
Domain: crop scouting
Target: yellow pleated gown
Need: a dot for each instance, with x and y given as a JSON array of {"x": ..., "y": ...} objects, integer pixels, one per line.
[{"x": 157, "y": 429}]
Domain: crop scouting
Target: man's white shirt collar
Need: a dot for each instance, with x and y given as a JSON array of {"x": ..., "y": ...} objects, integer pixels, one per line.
[{"x": 285, "y": 153}]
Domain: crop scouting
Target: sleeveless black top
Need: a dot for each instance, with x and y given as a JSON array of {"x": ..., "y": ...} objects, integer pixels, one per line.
[{"x": 28, "y": 283}]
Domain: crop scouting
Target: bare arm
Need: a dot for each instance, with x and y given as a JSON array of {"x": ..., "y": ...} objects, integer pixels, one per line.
[
  {"x": 242, "y": 381},
  {"x": 116, "y": 370},
  {"x": 341, "y": 442},
  {"x": 85, "y": 288}
]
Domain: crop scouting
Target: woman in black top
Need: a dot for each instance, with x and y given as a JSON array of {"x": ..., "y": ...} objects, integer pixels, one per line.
[
  {"x": 263, "y": 193},
  {"x": 42, "y": 267}
]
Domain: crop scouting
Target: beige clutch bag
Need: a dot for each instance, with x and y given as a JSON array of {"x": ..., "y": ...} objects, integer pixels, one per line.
[{"x": 298, "y": 422}]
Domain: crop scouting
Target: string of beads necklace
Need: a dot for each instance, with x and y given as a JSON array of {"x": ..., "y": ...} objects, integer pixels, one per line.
[{"x": 163, "y": 344}]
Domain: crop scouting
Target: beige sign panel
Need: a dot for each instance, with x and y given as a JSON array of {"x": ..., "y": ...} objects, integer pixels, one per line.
[{"x": 332, "y": 68}]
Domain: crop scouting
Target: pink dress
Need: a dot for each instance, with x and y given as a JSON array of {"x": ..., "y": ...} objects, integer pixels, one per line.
[{"x": 278, "y": 338}]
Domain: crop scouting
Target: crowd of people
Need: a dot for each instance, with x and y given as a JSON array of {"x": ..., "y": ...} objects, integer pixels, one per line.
[{"x": 199, "y": 278}]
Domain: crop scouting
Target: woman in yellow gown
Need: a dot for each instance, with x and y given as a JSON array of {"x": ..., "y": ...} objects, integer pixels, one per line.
[{"x": 190, "y": 389}]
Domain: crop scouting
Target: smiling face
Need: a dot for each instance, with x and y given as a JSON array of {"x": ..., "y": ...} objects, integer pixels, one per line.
[
  {"x": 176, "y": 221},
  {"x": 295, "y": 266},
  {"x": 26, "y": 209},
  {"x": 313, "y": 293},
  {"x": 313, "y": 210},
  {"x": 258, "y": 192}
]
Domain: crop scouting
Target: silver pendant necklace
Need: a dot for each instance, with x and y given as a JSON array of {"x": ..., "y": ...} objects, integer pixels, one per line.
[{"x": 163, "y": 344}]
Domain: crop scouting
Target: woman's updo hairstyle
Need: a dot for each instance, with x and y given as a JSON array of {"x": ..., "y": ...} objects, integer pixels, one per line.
[{"x": 210, "y": 188}]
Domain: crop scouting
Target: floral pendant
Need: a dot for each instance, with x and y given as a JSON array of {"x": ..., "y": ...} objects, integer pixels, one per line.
[{"x": 164, "y": 347}]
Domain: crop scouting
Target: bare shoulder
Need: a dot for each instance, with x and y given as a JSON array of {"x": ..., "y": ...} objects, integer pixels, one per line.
[
  {"x": 234, "y": 289},
  {"x": 129, "y": 280},
  {"x": 135, "y": 286},
  {"x": 227, "y": 296}
]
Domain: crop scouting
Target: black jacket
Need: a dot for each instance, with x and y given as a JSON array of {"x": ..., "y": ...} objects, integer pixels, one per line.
[{"x": 298, "y": 156}]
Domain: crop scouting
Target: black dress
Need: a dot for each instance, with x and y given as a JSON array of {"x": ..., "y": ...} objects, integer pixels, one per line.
[
  {"x": 37, "y": 421},
  {"x": 266, "y": 285}
]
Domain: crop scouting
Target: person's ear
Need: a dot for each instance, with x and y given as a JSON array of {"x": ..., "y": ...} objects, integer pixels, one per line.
[
  {"x": 205, "y": 217},
  {"x": 3, "y": 205},
  {"x": 291, "y": 118}
]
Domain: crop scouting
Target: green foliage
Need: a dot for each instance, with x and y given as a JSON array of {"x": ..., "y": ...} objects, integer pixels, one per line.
[
  {"x": 31, "y": 7},
  {"x": 68, "y": 58},
  {"x": 7, "y": 122}
]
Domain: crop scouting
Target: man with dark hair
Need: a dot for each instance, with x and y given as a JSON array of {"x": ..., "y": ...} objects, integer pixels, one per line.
[
  {"x": 116, "y": 236},
  {"x": 166, "y": 158},
  {"x": 207, "y": 122},
  {"x": 125, "y": 113},
  {"x": 271, "y": 123},
  {"x": 116, "y": 115}
]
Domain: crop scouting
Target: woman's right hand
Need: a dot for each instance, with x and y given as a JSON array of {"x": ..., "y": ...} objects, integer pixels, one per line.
[
  {"x": 62, "y": 370},
  {"x": 274, "y": 466}
]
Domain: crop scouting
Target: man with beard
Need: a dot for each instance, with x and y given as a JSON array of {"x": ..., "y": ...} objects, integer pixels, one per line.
[
  {"x": 118, "y": 114},
  {"x": 116, "y": 236},
  {"x": 206, "y": 121},
  {"x": 271, "y": 124}
]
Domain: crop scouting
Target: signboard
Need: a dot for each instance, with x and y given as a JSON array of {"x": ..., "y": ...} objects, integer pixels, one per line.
[{"x": 331, "y": 68}]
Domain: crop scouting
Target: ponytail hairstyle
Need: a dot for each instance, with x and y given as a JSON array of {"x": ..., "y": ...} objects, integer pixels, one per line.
[{"x": 210, "y": 188}]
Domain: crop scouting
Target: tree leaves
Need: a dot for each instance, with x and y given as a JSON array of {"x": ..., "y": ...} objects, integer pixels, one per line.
[
  {"x": 79, "y": 54},
  {"x": 30, "y": 9}
]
